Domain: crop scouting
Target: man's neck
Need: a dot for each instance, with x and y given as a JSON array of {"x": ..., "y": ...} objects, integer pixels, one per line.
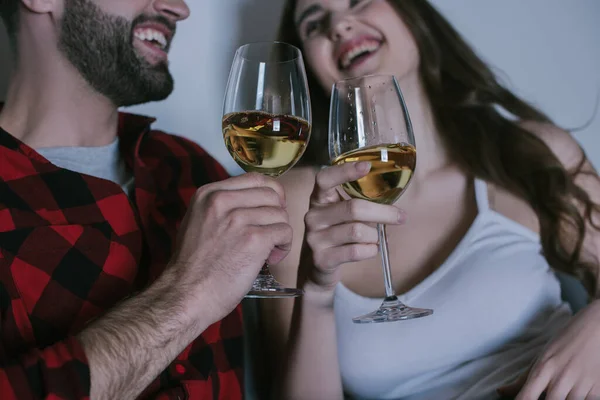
[{"x": 52, "y": 106}]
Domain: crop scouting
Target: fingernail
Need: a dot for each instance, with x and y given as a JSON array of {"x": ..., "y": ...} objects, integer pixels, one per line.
[
  {"x": 402, "y": 216},
  {"x": 363, "y": 167}
]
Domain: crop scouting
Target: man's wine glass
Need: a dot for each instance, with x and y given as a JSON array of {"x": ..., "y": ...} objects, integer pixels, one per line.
[{"x": 267, "y": 122}]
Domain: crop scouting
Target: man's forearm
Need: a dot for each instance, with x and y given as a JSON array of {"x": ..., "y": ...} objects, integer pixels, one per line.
[{"x": 132, "y": 344}]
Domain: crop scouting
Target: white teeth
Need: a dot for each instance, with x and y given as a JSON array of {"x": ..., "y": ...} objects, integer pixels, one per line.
[
  {"x": 152, "y": 35},
  {"x": 349, "y": 56}
]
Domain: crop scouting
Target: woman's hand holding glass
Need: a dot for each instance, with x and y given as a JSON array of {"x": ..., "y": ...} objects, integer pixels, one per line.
[
  {"x": 341, "y": 231},
  {"x": 369, "y": 121}
]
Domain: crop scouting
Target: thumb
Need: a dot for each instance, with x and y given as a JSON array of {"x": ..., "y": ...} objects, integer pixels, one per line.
[
  {"x": 328, "y": 179},
  {"x": 277, "y": 255},
  {"x": 281, "y": 236},
  {"x": 513, "y": 388}
]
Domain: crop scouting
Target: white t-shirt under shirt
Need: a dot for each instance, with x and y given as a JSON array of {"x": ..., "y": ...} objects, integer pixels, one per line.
[{"x": 103, "y": 162}]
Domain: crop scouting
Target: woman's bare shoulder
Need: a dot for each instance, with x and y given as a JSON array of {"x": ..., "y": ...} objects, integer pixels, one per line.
[
  {"x": 558, "y": 140},
  {"x": 564, "y": 147}
]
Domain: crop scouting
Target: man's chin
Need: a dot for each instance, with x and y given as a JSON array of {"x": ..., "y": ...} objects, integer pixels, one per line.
[
  {"x": 146, "y": 92},
  {"x": 143, "y": 100},
  {"x": 150, "y": 61}
]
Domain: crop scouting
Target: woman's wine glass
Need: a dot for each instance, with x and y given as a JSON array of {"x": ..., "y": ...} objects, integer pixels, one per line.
[{"x": 369, "y": 121}]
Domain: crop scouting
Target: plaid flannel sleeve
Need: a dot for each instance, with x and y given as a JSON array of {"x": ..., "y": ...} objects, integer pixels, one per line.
[{"x": 58, "y": 372}]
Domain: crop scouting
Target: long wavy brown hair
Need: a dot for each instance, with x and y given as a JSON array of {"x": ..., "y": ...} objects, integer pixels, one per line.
[
  {"x": 466, "y": 98},
  {"x": 9, "y": 10}
]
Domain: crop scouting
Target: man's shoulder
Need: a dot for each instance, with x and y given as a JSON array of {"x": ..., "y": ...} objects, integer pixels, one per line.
[
  {"x": 162, "y": 145},
  {"x": 131, "y": 125},
  {"x": 176, "y": 143},
  {"x": 159, "y": 147}
]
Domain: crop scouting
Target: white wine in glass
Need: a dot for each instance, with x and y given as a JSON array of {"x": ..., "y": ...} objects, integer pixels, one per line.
[
  {"x": 265, "y": 143},
  {"x": 392, "y": 166},
  {"x": 267, "y": 123},
  {"x": 369, "y": 121}
]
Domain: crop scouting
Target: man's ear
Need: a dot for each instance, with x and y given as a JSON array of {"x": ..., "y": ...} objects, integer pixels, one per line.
[{"x": 40, "y": 6}]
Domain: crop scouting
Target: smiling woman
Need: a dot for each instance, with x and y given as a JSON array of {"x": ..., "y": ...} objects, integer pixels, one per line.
[
  {"x": 429, "y": 57},
  {"x": 354, "y": 50},
  {"x": 357, "y": 52},
  {"x": 495, "y": 183}
]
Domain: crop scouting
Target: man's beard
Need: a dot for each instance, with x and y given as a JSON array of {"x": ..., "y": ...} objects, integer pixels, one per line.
[{"x": 100, "y": 46}]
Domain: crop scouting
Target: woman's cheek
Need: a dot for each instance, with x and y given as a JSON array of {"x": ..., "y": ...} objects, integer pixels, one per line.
[{"x": 320, "y": 62}]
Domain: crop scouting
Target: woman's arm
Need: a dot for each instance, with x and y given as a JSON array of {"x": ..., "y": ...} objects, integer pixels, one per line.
[
  {"x": 569, "y": 367},
  {"x": 303, "y": 358},
  {"x": 302, "y": 335},
  {"x": 276, "y": 316}
]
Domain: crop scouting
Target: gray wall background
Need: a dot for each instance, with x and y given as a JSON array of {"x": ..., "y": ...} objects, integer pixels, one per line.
[{"x": 548, "y": 51}]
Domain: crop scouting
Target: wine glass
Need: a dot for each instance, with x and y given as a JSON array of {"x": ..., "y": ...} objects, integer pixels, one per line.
[
  {"x": 369, "y": 121},
  {"x": 267, "y": 122}
]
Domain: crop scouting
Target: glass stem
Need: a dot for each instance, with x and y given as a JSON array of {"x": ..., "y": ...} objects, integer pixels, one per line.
[{"x": 390, "y": 295}]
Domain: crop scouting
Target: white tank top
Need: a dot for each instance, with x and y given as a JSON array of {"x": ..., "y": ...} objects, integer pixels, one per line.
[{"x": 497, "y": 303}]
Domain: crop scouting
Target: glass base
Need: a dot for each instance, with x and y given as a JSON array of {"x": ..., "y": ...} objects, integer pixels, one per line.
[
  {"x": 392, "y": 310},
  {"x": 266, "y": 287}
]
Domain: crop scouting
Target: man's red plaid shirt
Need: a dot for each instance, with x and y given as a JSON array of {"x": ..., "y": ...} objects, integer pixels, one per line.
[{"x": 72, "y": 246}]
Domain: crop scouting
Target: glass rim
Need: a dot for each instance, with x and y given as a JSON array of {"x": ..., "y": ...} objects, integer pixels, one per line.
[
  {"x": 296, "y": 50},
  {"x": 349, "y": 81}
]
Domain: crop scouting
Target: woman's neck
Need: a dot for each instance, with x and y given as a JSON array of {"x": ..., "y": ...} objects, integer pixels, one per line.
[{"x": 432, "y": 154}]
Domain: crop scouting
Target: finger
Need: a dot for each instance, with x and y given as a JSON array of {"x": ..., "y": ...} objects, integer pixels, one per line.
[
  {"x": 559, "y": 389},
  {"x": 245, "y": 181},
  {"x": 226, "y": 200},
  {"x": 355, "y": 210},
  {"x": 511, "y": 389},
  {"x": 280, "y": 236},
  {"x": 593, "y": 393},
  {"x": 258, "y": 216},
  {"x": 339, "y": 235},
  {"x": 580, "y": 391},
  {"x": 328, "y": 179},
  {"x": 331, "y": 258},
  {"x": 537, "y": 382}
]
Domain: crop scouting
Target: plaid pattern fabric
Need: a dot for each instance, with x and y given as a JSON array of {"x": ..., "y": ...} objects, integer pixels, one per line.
[{"x": 72, "y": 245}]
